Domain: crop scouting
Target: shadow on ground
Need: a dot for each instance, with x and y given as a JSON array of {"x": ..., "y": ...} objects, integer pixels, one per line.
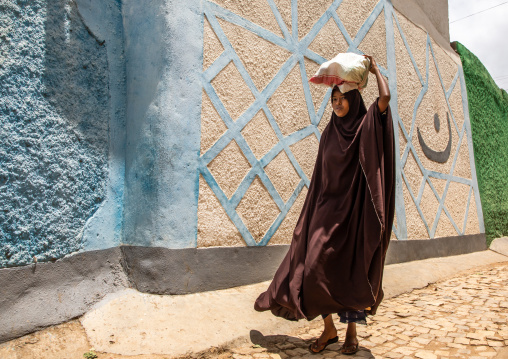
[{"x": 297, "y": 347}]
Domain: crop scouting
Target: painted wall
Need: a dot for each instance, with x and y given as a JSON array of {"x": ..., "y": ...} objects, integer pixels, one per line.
[
  {"x": 262, "y": 120},
  {"x": 59, "y": 114},
  {"x": 193, "y": 124},
  {"x": 488, "y": 108}
]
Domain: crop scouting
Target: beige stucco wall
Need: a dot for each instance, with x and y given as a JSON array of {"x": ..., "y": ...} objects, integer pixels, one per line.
[{"x": 262, "y": 59}]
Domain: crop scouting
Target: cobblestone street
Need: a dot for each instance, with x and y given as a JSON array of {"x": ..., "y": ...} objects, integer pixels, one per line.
[{"x": 464, "y": 317}]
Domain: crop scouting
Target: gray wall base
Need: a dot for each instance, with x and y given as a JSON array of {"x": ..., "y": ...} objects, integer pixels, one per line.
[
  {"x": 414, "y": 250},
  {"x": 36, "y": 296}
]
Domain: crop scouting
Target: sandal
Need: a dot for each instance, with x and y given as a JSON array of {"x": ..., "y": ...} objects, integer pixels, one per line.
[
  {"x": 324, "y": 345},
  {"x": 349, "y": 350}
]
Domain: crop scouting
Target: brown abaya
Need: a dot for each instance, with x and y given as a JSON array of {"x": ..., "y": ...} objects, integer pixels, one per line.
[{"x": 336, "y": 258}]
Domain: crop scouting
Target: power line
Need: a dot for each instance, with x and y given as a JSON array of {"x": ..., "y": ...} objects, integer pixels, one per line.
[{"x": 465, "y": 17}]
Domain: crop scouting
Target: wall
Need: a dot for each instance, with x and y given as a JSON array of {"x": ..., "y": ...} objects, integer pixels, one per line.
[
  {"x": 168, "y": 129},
  {"x": 261, "y": 120},
  {"x": 488, "y": 108},
  {"x": 196, "y": 125}
]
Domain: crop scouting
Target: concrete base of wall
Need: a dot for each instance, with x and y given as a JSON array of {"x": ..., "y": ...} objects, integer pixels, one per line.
[
  {"x": 415, "y": 250},
  {"x": 45, "y": 294}
]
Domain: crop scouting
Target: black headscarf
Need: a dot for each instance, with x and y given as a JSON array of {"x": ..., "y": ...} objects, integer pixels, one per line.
[{"x": 348, "y": 125}]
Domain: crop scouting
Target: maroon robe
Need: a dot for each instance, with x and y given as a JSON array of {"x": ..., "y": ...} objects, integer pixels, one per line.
[{"x": 336, "y": 258}]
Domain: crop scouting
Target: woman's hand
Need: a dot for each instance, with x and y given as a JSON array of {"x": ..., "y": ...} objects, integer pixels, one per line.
[
  {"x": 373, "y": 65},
  {"x": 384, "y": 91}
]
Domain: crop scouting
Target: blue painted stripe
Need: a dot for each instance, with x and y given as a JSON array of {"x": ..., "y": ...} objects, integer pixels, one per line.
[
  {"x": 451, "y": 178},
  {"x": 217, "y": 66},
  {"x": 401, "y": 229},
  {"x": 294, "y": 19},
  {"x": 235, "y": 19},
  {"x": 325, "y": 103},
  {"x": 318, "y": 26},
  {"x": 300, "y": 49},
  {"x": 410, "y": 53},
  {"x": 467, "y": 210},
  {"x": 368, "y": 24},
  {"x": 280, "y": 218},
  {"x": 445, "y": 192},
  {"x": 342, "y": 28},
  {"x": 465, "y": 106},
  {"x": 452, "y": 86},
  {"x": 311, "y": 55},
  {"x": 230, "y": 210},
  {"x": 281, "y": 23},
  {"x": 306, "y": 91},
  {"x": 418, "y": 209}
]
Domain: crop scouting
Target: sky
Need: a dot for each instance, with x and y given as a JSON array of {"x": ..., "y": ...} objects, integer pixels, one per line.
[{"x": 484, "y": 33}]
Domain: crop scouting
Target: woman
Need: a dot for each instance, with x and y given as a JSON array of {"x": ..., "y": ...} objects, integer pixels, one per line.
[{"x": 336, "y": 258}]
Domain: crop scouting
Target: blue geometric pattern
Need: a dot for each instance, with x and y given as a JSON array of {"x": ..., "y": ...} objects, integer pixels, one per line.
[
  {"x": 464, "y": 134},
  {"x": 299, "y": 49}
]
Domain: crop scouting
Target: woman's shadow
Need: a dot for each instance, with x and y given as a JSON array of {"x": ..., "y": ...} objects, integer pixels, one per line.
[{"x": 297, "y": 347}]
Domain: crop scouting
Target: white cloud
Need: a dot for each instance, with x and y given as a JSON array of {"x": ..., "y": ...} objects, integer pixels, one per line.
[{"x": 483, "y": 33}]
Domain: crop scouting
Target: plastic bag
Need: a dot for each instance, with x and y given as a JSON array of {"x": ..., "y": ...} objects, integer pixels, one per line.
[{"x": 346, "y": 70}]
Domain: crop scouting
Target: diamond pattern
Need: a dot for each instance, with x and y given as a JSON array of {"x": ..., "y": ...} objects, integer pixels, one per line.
[{"x": 242, "y": 167}]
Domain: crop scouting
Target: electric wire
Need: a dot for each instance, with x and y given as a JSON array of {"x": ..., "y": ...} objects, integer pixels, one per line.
[{"x": 465, "y": 17}]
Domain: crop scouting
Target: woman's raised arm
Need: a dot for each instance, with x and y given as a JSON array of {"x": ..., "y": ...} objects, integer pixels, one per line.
[{"x": 384, "y": 91}]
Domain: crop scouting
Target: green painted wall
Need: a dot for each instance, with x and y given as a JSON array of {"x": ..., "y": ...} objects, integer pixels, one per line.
[{"x": 488, "y": 111}]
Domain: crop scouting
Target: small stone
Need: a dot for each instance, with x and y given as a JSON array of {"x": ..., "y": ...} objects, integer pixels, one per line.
[
  {"x": 242, "y": 351},
  {"x": 405, "y": 350},
  {"x": 421, "y": 340},
  {"x": 403, "y": 337},
  {"x": 445, "y": 339},
  {"x": 488, "y": 354},
  {"x": 378, "y": 340},
  {"x": 393, "y": 355},
  {"x": 493, "y": 337},
  {"x": 486, "y": 333},
  {"x": 442, "y": 353},
  {"x": 457, "y": 346},
  {"x": 415, "y": 345},
  {"x": 478, "y": 342},
  {"x": 296, "y": 352},
  {"x": 440, "y": 333},
  {"x": 260, "y": 355},
  {"x": 422, "y": 330},
  {"x": 494, "y": 343},
  {"x": 285, "y": 346},
  {"x": 425, "y": 355},
  {"x": 329, "y": 354}
]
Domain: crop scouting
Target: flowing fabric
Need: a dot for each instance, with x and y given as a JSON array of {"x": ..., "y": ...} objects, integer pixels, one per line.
[{"x": 336, "y": 258}]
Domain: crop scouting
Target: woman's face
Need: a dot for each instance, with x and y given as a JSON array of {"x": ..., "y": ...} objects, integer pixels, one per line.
[{"x": 340, "y": 104}]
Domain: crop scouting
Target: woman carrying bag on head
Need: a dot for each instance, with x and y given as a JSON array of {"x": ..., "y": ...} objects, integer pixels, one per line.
[{"x": 336, "y": 257}]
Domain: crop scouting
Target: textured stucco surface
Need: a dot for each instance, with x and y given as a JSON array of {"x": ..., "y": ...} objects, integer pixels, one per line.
[
  {"x": 289, "y": 105},
  {"x": 257, "y": 209},
  {"x": 54, "y": 114},
  {"x": 210, "y": 118},
  {"x": 433, "y": 102},
  {"x": 164, "y": 57}
]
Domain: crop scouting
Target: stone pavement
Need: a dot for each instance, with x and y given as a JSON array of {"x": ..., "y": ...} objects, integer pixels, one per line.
[{"x": 464, "y": 317}]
